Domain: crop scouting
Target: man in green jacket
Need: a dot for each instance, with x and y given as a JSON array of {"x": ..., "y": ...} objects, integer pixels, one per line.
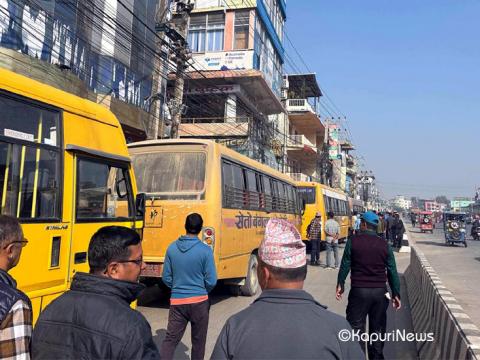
[{"x": 371, "y": 262}]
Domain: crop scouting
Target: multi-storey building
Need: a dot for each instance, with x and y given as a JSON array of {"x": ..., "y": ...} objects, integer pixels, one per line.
[
  {"x": 103, "y": 50},
  {"x": 402, "y": 202},
  {"x": 233, "y": 87},
  {"x": 306, "y": 132}
]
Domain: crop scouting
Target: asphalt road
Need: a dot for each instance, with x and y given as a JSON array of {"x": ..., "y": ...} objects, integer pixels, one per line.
[
  {"x": 320, "y": 283},
  {"x": 457, "y": 266}
]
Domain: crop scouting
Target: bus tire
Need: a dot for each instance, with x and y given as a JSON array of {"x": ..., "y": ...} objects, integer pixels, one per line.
[
  {"x": 251, "y": 281},
  {"x": 234, "y": 290}
]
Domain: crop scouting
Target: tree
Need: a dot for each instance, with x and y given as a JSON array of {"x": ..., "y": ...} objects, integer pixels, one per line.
[{"x": 442, "y": 199}]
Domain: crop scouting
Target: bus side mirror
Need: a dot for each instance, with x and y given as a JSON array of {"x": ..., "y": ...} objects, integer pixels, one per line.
[
  {"x": 304, "y": 205},
  {"x": 140, "y": 202}
]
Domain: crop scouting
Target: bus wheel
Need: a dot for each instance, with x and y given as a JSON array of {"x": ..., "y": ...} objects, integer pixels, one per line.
[{"x": 251, "y": 281}]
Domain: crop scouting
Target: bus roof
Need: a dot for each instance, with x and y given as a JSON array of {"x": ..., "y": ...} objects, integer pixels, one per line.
[
  {"x": 231, "y": 154},
  {"x": 47, "y": 94}
]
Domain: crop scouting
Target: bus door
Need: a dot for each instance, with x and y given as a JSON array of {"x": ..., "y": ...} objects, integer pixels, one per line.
[{"x": 103, "y": 197}]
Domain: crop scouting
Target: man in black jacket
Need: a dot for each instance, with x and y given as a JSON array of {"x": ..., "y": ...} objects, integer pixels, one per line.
[{"x": 94, "y": 319}]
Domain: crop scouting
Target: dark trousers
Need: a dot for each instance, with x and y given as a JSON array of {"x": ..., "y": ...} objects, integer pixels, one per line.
[
  {"x": 371, "y": 302},
  {"x": 398, "y": 240},
  {"x": 315, "y": 252},
  {"x": 393, "y": 236},
  {"x": 178, "y": 318}
]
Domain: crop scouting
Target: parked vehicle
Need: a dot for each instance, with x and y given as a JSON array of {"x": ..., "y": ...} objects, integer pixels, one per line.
[
  {"x": 235, "y": 195},
  {"x": 64, "y": 172},
  {"x": 426, "y": 222},
  {"x": 454, "y": 227}
]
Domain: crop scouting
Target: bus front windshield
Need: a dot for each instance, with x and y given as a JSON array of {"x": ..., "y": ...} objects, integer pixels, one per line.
[{"x": 171, "y": 175}]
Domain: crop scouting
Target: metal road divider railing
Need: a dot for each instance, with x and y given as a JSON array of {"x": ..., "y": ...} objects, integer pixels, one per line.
[{"x": 435, "y": 310}]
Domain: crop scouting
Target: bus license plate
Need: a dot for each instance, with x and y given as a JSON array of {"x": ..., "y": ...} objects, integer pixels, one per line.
[{"x": 152, "y": 270}]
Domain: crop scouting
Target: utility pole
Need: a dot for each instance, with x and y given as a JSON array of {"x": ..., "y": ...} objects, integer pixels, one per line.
[
  {"x": 181, "y": 54},
  {"x": 154, "y": 101}
]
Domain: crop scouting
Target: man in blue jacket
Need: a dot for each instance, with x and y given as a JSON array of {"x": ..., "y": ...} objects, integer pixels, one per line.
[{"x": 189, "y": 270}]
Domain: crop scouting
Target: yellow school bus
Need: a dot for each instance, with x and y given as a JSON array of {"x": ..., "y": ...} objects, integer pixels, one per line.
[
  {"x": 322, "y": 198},
  {"x": 234, "y": 194},
  {"x": 64, "y": 173}
]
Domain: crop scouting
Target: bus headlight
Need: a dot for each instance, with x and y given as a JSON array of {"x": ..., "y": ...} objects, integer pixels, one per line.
[{"x": 208, "y": 236}]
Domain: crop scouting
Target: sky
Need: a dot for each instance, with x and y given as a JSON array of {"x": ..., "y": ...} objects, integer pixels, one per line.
[{"x": 406, "y": 74}]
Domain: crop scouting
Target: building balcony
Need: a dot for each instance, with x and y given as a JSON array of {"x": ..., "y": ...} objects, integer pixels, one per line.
[
  {"x": 299, "y": 105},
  {"x": 300, "y": 142},
  {"x": 300, "y": 177},
  {"x": 202, "y": 4},
  {"x": 303, "y": 117},
  {"x": 224, "y": 127}
]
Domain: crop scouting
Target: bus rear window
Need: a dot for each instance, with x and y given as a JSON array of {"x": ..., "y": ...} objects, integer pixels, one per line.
[
  {"x": 307, "y": 194},
  {"x": 171, "y": 175}
]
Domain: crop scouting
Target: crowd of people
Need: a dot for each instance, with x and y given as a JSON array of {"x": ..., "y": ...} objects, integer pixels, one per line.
[{"x": 94, "y": 319}]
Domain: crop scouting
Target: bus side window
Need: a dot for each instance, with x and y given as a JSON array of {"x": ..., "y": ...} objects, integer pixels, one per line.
[
  {"x": 29, "y": 160},
  {"x": 261, "y": 193},
  {"x": 283, "y": 197},
  {"x": 275, "y": 195},
  {"x": 288, "y": 208},
  {"x": 290, "y": 205},
  {"x": 267, "y": 189},
  {"x": 239, "y": 187},
  {"x": 252, "y": 195},
  {"x": 228, "y": 185}
]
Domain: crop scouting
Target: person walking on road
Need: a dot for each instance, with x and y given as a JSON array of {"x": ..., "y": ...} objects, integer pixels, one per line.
[
  {"x": 356, "y": 224},
  {"x": 381, "y": 226},
  {"x": 94, "y": 320},
  {"x": 15, "y": 306},
  {"x": 314, "y": 235},
  {"x": 285, "y": 322},
  {"x": 371, "y": 262},
  {"x": 399, "y": 231},
  {"x": 332, "y": 232},
  {"x": 413, "y": 217},
  {"x": 189, "y": 270},
  {"x": 392, "y": 228}
]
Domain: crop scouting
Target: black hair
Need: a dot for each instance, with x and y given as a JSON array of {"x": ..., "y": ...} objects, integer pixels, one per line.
[
  {"x": 108, "y": 244},
  {"x": 10, "y": 230},
  {"x": 287, "y": 275},
  {"x": 193, "y": 224},
  {"x": 331, "y": 214}
]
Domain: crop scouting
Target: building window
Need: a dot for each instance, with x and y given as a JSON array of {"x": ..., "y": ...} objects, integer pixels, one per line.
[
  {"x": 196, "y": 33},
  {"x": 206, "y": 32},
  {"x": 215, "y": 31},
  {"x": 242, "y": 26}
]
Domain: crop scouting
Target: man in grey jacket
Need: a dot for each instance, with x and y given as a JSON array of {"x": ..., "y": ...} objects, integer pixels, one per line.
[{"x": 285, "y": 322}]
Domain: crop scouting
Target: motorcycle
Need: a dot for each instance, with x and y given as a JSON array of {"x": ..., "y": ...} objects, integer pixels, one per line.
[{"x": 476, "y": 233}]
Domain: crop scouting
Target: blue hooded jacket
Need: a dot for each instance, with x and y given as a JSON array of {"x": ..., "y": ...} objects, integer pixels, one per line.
[{"x": 189, "y": 268}]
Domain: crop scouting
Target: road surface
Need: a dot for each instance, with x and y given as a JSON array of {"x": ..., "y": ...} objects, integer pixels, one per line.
[
  {"x": 458, "y": 267},
  {"x": 320, "y": 283}
]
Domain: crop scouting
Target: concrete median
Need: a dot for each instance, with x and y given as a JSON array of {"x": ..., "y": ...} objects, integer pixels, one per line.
[{"x": 435, "y": 310}]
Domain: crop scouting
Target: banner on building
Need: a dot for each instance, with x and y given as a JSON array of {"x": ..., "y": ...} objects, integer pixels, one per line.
[
  {"x": 224, "y": 60},
  {"x": 333, "y": 144}
]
